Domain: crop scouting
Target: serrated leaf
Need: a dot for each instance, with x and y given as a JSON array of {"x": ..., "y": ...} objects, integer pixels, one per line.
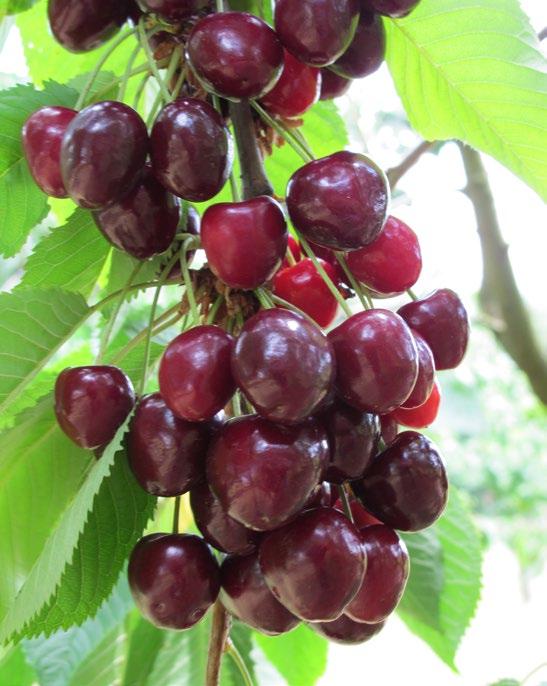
[{"x": 473, "y": 70}]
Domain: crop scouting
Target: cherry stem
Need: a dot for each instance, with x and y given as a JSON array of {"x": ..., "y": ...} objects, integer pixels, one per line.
[
  {"x": 127, "y": 73},
  {"x": 236, "y": 405},
  {"x": 236, "y": 656},
  {"x": 290, "y": 257},
  {"x": 288, "y": 136},
  {"x": 176, "y": 515},
  {"x": 345, "y": 503},
  {"x": 264, "y": 298},
  {"x": 236, "y": 195},
  {"x": 141, "y": 69},
  {"x": 214, "y": 309},
  {"x": 165, "y": 321},
  {"x": 140, "y": 90},
  {"x": 396, "y": 173},
  {"x": 151, "y": 61},
  {"x": 412, "y": 294},
  {"x": 365, "y": 300},
  {"x": 160, "y": 98},
  {"x": 289, "y": 306},
  {"x": 220, "y": 630},
  {"x": 188, "y": 279}
]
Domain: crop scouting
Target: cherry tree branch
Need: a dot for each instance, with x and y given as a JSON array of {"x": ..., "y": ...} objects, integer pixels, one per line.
[
  {"x": 542, "y": 35},
  {"x": 220, "y": 630},
  {"x": 396, "y": 173}
]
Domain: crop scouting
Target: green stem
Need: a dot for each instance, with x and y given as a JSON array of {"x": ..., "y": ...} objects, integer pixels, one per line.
[
  {"x": 134, "y": 72},
  {"x": 326, "y": 278},
  {"x": 152, "y": 62},
  {"x": 365, "y": 302},
  {"x": 188, "y": 280},
  {"x": 412, "y": 294},
  {"x": 345, "y": 503},
  {"x": 289, "y": 306},
  {"x": 264, "y": 299},
  {"x": 127, "y": 73},
  {"x": 160, "y": 324},
  {"x": 234, "y": 653},
  {"x": 176, "y": 515},
  {"x": 236, "y": 403},
  {"x": 299, "y": 135},
  {"x": 283, "y": 132},
  {"x": 140, "y": 90},
  {"x": 178, "y": 85},
  {"x": 172, "y": 68},
  {"x": 214, "y": 309}
]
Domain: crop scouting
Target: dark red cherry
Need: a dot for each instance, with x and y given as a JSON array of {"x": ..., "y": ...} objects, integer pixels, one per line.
[
  {"x": 406, "y": 485},
  {"x": 174, "y": 579},
  {"x": 166, "y": 454},
  {"x": 174, "y": 10},
  {"x": 426, "y": 374},
  {"x": 390, "y": 8},
  {"x": 315, "y": 564},
  {"x": 235, "y": 55},
  {"x": 377, "y": 360},
  {"x": 81, "y": 25},
  {"x": 194, "y": 376},
  {"x": 91, "y": 403},
  {"x": 316, "y": 31},
  {"x": 390, "y": 428},
  {"x": 263, "y": 473},
  {"x": 339, "y": 201},
  {"x": 191, "y": 149},
  {"x": 423, "y": 416},
  {"x": 442, "y": 320},
  {"x": 303, "y": 286},
  {"x": 366, "y": 51},
  {"x": 345, "y": 631},
  {"x": 296, "y": 252},
  {"x": 361, "y": 517},
  {"x": 283, "y": 364},
  {"x": 353, "y": 441},
  {"x": 333, "y": 85},
  {"x": 390, "y": 264},
  {"x": 296, "y": 91},
  {"x": 245, "y": 595},
  {"x": 244, "y": 242},
  {"x": 321, "y": 496},
  {"x": 42, "y": 136},
  {"x": 385, "y": 579}
]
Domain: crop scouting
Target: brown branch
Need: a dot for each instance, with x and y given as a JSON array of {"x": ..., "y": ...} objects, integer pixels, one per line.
[
  {"x": 220, "y": 628},
  {"x": 500, "y": 299},
  {"x": 396, "y": 173}
]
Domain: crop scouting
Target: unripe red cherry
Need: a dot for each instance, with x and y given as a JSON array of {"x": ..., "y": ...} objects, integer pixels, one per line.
[
  {"x": 296, "y": 91},
  {"x": 426, "y": 374},
  {"x": 174, "y": 10},
  {"x": 345, "y": 631},
  {"x": 390, "y": 8},
  {"x": 333, "y": 85},
  {"x": 366, "y": 51},
  {"x": 423, "y": 416}
]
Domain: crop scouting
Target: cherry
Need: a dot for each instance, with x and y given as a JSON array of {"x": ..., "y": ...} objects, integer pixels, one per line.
[
  {"x": 345, "y": 631},
  {"x": 303, "y": 286},
  {"x": 42, "y": 136},
  {"x": 316, "y": 31},
  {"x": 339, "y": 201},
  {"x": 296, "y": 91},
  {"x": 406, "y": 485},
  {"x": 174, "y": 579},
  {"x": 315, "y": 564},
  {"x": 361, "y": 517},
  {"x": 81, "y": 25},
  {"x": 245, "y": 595},
  {"x": 442, "y": 320},
  {"x": 386, "y": 576},
  {"x": 333, "y": 85},
  {"x": 377, "y": 360},
  {"x": 252, "y": 461},
  {"x": 366, "y": 51},
  {"x": 194, "y": 376},
  {"x": 392, "y": 263},
  {"x": 191, "y": 149},
  {"x": 391, "y": 8},
  {"x": 235, "y": 55},
  {"x": 426, "y": 374},
  {"x": 424, "y": 415},
  {"x": 320, "y": 497},
  {"x": 283, "y": 364},
  {"x": 244, "y": 242},
  {"x": 353, "y": 441},
  {"x": 295, "y": 250},
  {"x": 91, "y": 403},
  {"x": 174, "y": 10},
  {"x": 390, "y": 428}
]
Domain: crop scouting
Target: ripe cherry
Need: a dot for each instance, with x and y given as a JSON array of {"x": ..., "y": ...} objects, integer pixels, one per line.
[
  {"x": 366, "y": 51},
  {"x": 339, "y": 201},
  {"x": 390, "y": 428},
  {"x": 244, "y": 241},
  {"x": 296, "y": 252},
  {"x": 235, "y": 55},
  {"x": 91, "y": 403},
  {"x": 322, "y": 496},
  {"x": 390, "y": 8},
  {"x": 361, "y": 517},
  {"x": 174, "y": 579},
  {"x": 296, "y": 91},
  {"x": 423, "y": 416},
  {"x": 283, "y": 364},
  {"x": 345, "y": 631},
  {"x": 174, "y": 10},
  {"x": 194, "y": 376},
  {"x": 426, "y": 374},
  {"x": 251, "y": 462},
  {"x": 333, "y": 85}
]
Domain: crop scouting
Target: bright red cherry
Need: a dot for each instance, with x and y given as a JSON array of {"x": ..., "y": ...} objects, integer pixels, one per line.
[
  {"x": 42, "y": 136},
  {"x": 283, "y": 364},
  {"x": 442, "y": 320},
  {"x": 315, "y": 564},
  {"x": 392, "y": 263},
  {"x": 339, "y": 201},
  {"x": 377, "y": 360},
  {"x": 423, "y": 416},
  {"x": 235, "y": 54},
  {"x": 194, "y": 376},
  {"x": 333, "y": 85},
  {"x": 366, "y": 51},
  {"x": 345, "y": 631},
  {"x": 316, "y": 31},
  {"x": 174, "y": 10},
  {"x": 191, "y": 149},
  {"x": 91, "y": 403},
  {"x": 426, "y": 374},
  {"x": 245, "y": 595},
  {"x": 390, "y": 8},
  {"x": 174, "y": 579},
  {"x": 361, "y": 517},
  {"x": 244, "y": 242},
  {"x": 252, "y": 461},
  {"x": 296, "y": 251},
  {"x": 296, "y": 91},
  {"x": 406, "y": 485}
]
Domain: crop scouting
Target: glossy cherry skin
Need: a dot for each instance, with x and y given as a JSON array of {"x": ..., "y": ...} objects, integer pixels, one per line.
[
  {"x": 423, "y": 416},
  {"x": 390, "y": 264},
  {"x": 390, "y": 8},
  {"x": 42, "y": 136},
  {"x": 345, "y": 631},
  {"x": 353, "y": 441},
  {"x": 81, "y": 25},
  {"x": 387, "y": 572},
  {"x": 406, "y": 485},
  {"x": 283, "y": 364},
  {"x": 303, "y": 286},
  {"x": 194, "y": 376},
  {"x": 174, "y": 10},
  {"x": 390, "y": 428},
  {"x": 245, "y": 594},
  {"x": 166, "y": 454},
  {"x": 442, "y": 320},
  {"x": 251, "y": 462},
  {"x": 333, "y": 85},
  {"x": 244, "y": 242},
  {"x": 361, "y": 517},
  {"x": 316, "y": 32},
  {"x": 377, "y": 360},
  {"x": 91, "y": 403},
  {"x": 339, "y": 201},
  {"x": 366, "y": 51},
  {"x": 296, "y": 91},
  {"x": 235, "y": 55},
  {"x": 315, "y": 564},
  {"x": 321, "y": 496},
  {"x": 426, "y": 374},
  {"x": 174, "y": 579},
  {"x": 191, "y": 149}
]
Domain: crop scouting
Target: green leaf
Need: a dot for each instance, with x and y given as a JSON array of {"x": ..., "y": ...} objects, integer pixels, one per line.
[
  {"x": 473, "y": 70},
  {"x": 14, "y": 669},
  {"x": 15, "y": 6},
  {"x": 104, "y": 666},
  {"x": 242, "y": 638}
]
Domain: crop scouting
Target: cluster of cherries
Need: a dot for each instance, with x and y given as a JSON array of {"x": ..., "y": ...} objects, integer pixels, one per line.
[{"x": 303, "y": 490}]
